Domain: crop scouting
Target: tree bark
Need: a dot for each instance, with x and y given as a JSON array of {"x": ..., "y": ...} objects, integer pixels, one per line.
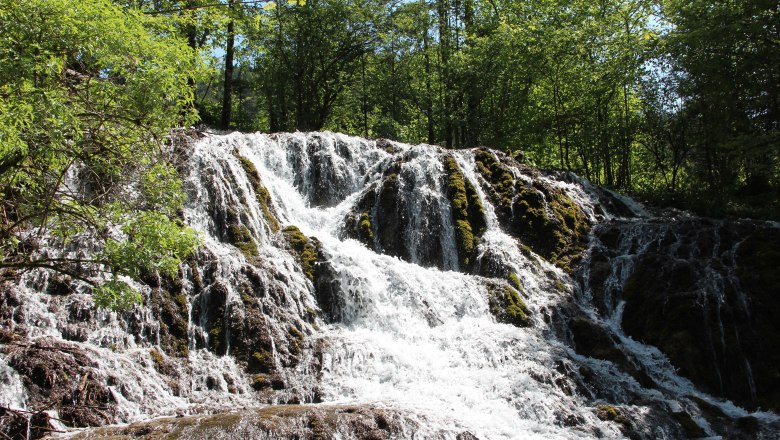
[{"x": 227, "y": 90}]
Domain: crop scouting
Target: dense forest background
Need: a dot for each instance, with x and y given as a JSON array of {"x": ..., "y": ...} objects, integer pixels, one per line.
[{"x": 673, "y": 101}]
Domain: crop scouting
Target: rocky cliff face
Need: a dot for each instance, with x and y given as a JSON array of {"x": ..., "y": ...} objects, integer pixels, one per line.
[
  {"x": 705, "y": 292},
  {"x": 443, "y": 294}
]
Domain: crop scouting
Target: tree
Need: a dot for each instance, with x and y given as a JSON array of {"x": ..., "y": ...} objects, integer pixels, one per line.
[
  {"x": 307, "y": 52},
  {"x": 87, "y": 92},
  {"x": 726, "y": 55}
]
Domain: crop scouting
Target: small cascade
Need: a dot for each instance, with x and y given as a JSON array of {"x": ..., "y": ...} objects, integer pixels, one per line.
[{"x": 383, "y": 290}]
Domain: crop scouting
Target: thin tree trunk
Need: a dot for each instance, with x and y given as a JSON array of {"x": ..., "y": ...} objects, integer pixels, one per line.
[
  {"x": 227, "y": 90},
  {"x": 428, "y": 92}
]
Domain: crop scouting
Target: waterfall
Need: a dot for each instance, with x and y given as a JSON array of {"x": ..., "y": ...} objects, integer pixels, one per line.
[{"x": 343, "y": 272}]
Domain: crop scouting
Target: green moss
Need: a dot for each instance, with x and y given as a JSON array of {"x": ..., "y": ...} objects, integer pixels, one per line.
[
  {"x": 514, "y": 281},
  {"x": 365, "y": 233},
  {"x": 171, "y": 309},
  {"x": 607, "y": 412},
  {"x": 245, "y": 292},
  {"x": 358, "y": 223},
  {"x": 296, "y": 340},
  {"x": 467, "y": 211},
  {"x": 182, "y": 349},
  {"x": 305, "y": 249},
  {"x": 262, "y": 194},
  {"x": 541, "y": 216},
  {"x": 507, "y": 306},
  {"x": 516, "y": 308},
  {"x": 262, "y": 361},
  {"x": 181, "y": 301},
  {"x": 294, "y": 332},
  {"x": 241, "y": 238},
  {"x": 157, "y": 359},
  {"x": 215, "y": 338},
  {"x": 610, "y": 413},
  {"x": 260, "y": 382}
]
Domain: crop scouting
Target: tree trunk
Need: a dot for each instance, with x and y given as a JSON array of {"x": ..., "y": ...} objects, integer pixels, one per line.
[
  {"x": 227, "y": 90},
  {"x": 428, "y": 92}
]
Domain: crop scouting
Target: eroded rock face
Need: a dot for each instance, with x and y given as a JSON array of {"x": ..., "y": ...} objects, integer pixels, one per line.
[
  {"x": 426, "y": 193},
  {"x": 62, "y": 376},
  {"x": 705, "y": 292},
  {"x": 540, "y": 215}
]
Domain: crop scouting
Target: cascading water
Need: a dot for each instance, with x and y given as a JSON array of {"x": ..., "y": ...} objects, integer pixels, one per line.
[{"x": 370, "y": 300}]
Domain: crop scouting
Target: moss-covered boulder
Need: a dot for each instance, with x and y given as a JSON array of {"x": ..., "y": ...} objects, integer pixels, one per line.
[
  {"x": 540, "y": 215},
  {"x": 169, "y": 305},
  {"x": 506, "y": 304},
  {"x": 304, "y": 248},
  {"x": 468, "y": 214},
  {"x": 402, "y": 215},
  {"x": 261, "y": 192},
  {"x": 379, "y": 216}
]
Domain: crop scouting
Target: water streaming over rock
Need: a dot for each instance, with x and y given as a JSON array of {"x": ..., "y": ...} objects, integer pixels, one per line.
[{"x": 459, "y": 289}]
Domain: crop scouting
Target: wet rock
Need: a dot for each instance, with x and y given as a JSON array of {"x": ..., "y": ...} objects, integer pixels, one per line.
[
  {"x": 60, "y": 376},
  {"x": 539, "y": 215},
  {"x": 468, "y": 214},
  {"x": 305, "y": 249},
  {"x": 506, "y": 304},
  {"x": 702, "y": 291},
  {"x": 273, "y": 422}
]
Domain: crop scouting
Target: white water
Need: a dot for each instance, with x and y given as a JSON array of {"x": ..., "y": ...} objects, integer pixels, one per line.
[
  {"x": 422, "y": 339},
  {"x": 415, "y": 339}
]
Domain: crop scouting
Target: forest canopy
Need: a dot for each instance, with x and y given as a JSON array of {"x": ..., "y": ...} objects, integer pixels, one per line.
[{"x": 673, "y": 101}]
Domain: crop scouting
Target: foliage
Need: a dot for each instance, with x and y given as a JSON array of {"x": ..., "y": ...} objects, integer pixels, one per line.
[
  {"x": 88, "y": 91},
  {"x": 723, "y": 58},
  {"x": 116, "y": 295},
  {"x": 152, "y": 242}
]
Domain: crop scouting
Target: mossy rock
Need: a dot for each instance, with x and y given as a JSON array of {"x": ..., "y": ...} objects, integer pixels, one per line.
[
  {"x": 468, "y": 214},
  {"x": 170, "y": 308},
  {"x": 594, "y": 340},
  {"x": 514, "y": 281},
  {"x": 295, "y": 339},
  {"x": 261, "y": 362},
  {"x": 710, "y": 330},
  {"x": 541, "y": 216},
  {"x": 306, "y": 250},
  {"x": 64, "y": 377},
  {"x": 241, "y": 238},
  {"x": 213, "y": 307},
  {"x": 507, "y": 306},
  {"x": 261, "y": 382},
  {"x": 162, "y": 364},
  {"x": 261, "y": 192},
  {"x": 365, "y": 232},
  {"x": 378, "y": 216},
  {"x": 358, "y": 224}
]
